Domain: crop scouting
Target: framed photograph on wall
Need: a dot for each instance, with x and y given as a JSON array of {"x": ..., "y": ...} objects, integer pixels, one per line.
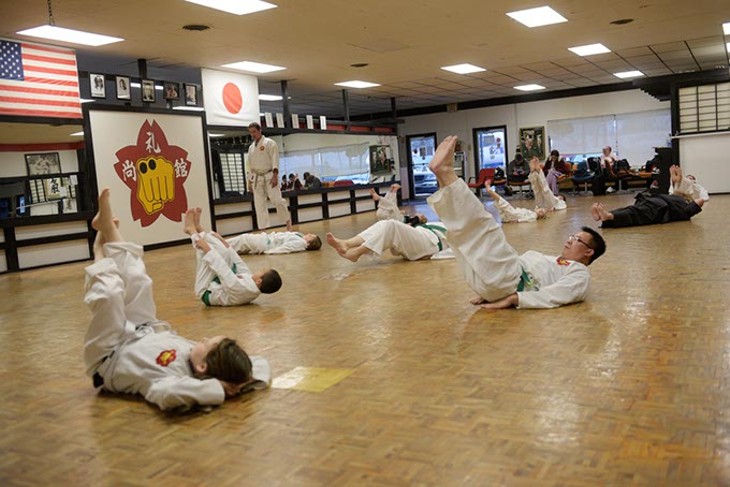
[
  {"x": 172, "y": 91},
  {"x": 148, "y": 91},
  {"x": 45, "y": 163},
  {"x": 532, "y": 142},
  {"x": 123, "y": 88},
  {"x": 381, "y": 159},
  {"x": 98, "y": 85},
  {"x": 191, "y": 94}
]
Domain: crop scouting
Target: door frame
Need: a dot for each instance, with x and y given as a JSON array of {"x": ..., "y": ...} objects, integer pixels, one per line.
[
  {"x": 412, "y": 183},
  {"x": 477, "y": 155}
]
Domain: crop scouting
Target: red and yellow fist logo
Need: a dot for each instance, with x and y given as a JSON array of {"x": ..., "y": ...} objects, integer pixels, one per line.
[
  {"x": 155, "y": 172},
  {"x": 563, "y": 261},
  {"x": 166, "y": 357}
]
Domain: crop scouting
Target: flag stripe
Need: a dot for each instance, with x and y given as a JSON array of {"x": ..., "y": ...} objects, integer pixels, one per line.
[
  {"x": 38, "y": 91},
  {"x": 32, "y": 57},
  {"x": 57, "y": 50},
  {"x": 36, "y": 101},
  {"x": 39, "y": 113},
  {"x": 55, "y": 82},
  {"x": 48, "y": 85}
]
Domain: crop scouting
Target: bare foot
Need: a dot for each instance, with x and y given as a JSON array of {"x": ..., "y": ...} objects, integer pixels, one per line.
[
  {"x": 442, "y": 164},
  {"x": 198, "y": 226},
  {"x": 288, "y": 226},
  {"x": 603, "y": 214},
  {"x": 374, "y": 195},
  {"x": 594, "y": 212},
  {"x": 336, "y": 243},
  {"x": 189, "y": 222},
  {"x": 394, "y": 187},
  {"x": 104, "y": 219},
  {"x": 477, "y": 300}
]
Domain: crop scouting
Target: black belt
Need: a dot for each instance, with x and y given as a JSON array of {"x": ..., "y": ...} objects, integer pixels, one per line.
[{"x": 98, "y": 380}]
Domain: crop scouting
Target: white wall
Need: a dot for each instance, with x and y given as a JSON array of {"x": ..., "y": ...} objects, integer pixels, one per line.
[
  {"x": 705, "y": 157},
  {"x": 529, "y": 114},
  {"x": 12, "y": 164}
]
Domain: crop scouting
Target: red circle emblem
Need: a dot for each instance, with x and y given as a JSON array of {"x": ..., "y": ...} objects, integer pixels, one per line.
[{"x": 232, "y": 98}]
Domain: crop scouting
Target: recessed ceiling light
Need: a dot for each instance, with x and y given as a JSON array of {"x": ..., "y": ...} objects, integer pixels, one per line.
[
  {"x": 270, "y": 97},
  {"x": 69, "y": 35},
  {"x": 621, "y": 21},
  {"x": 537, "y": 17},
  {"x": 357, "y": 84},
  {"x": 529, "y": 87},
  {"x": 628, "y": 74},
  {"x": 236, "y": 7},
  {"x": 77, "y": 134},
  {"x": 189, "y": 109},
  {"x": 726, "y": 28},
  {"x": 254, "y": 67},
  {"x": 465, "y": 68},
  {"x": 589, "y": 49}
]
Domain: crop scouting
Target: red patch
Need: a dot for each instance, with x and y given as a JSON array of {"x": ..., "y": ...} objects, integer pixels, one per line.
[
  {"x": 563, "y": 261},
  {"x": 155, "y": 172},
  {"x": 166, "y": 357}
]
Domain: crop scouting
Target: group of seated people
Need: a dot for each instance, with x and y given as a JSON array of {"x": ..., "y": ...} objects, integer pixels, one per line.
[
  {"x": 607, "y": 168},
  {"x": 293, "y": 183}
]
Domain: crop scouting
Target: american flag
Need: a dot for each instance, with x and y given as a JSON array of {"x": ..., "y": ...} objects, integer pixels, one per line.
[{"x": 38, "y": 81}]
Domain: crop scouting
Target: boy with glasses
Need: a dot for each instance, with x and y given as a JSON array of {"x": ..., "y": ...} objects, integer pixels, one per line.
[{"x": 500, "y": 277}]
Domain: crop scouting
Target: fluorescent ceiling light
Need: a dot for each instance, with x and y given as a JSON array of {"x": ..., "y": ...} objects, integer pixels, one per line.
[
  {"x": 254, "y": 67},
  {"x": 537, "y": 17},
  {"x": 270, "y": 97},
  {"x": 77, "y": 134},
  {"x": 465, "y": 68},
  {"x": 215, "y": 135},
  {"x": 135, "y": 85},
  {"x": 726, "y": 28},
  {"x": 69, "y": 35},
  {"x": 86, "y": 100},
  {"x": 529, "y": 87},
  {"x": 357, "y": 84},
  {"x": 236, "y": 7},
  {"x": 628, "y": 74},
  {"x": 189, "y": 109},
  {"x": 589, "y": 49}
]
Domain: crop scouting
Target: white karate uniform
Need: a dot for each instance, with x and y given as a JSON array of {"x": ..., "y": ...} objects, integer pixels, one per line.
[
  {"x": 544, "y": 197},
  {"x": 691, "y": 190},
  {"x": 222, "y": 278},
  {"x": 268, "y": 243},
  {"x": 492, "y": 267},
  {"x": 134, "y": 352},
  {"x": 411, "y": 243},
  {"x": 510, "y": 214},
  {"x": 388, "y": 207},
  {"x": 263, "y": 158}
]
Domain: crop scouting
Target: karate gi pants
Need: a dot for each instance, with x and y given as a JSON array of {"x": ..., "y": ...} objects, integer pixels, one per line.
[{"x": 491, "y": 266}]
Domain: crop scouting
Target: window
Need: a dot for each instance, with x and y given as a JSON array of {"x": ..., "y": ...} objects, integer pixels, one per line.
[
  {"x": 329, "y": 163},
  {"x": 704, "y": 108}
]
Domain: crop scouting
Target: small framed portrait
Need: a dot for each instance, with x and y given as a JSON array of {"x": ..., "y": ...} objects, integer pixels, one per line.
[
  {"x": 172, "y": 91},
  {"x": 123, "y": 89},
  {"x": 381, "y": 159},
  {"x": 46, "y": 163},
  {"x": 98, "y": 85},
  {"x": 148, "y": 91},
  {"x": 191, "y": 94}
]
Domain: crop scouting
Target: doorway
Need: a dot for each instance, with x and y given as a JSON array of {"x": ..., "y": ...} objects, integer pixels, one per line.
[
  {"x": 490, "y": 148},
  {"x": 421, "y": 148}
]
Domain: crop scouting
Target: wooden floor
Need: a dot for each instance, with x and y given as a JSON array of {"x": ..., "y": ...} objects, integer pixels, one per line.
[{"x": 631, "y": 387}]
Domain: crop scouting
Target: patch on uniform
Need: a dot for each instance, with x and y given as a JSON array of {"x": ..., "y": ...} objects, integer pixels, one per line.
[
  {"x": 261, "y": 147},
  {"x": 563, "y": 261},
  {"x": 166, "y": 357},
  {"x": 310, "y": 379}
]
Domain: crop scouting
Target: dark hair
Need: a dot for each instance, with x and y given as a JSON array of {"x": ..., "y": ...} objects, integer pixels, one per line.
[
  {"x": 305, "y": 175},
  {"x": 555, "y": 153},
  {"x": 315, "y": 244},
  {"x": 599, "y": 245},
  {"x": 270, "y": 282},
  {"x": 518, "y": 156},
  {"x": 291, "y": 176},
  {"x": 255, "y": 125},
  {"x": 228, "y": 362}
]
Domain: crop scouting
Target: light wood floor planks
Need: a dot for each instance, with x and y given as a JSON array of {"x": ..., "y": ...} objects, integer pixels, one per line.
[{"x": 630, "y": 387}]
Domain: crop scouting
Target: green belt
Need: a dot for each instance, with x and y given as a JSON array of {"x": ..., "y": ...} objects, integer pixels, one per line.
[
  {"x": 206, "y": 295},
  {"x": 431, "y": 227},
  {"x": 524, "y": 281}
]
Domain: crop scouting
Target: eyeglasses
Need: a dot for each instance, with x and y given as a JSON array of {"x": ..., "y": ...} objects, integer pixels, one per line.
[{"x": 574, "y": 238}]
